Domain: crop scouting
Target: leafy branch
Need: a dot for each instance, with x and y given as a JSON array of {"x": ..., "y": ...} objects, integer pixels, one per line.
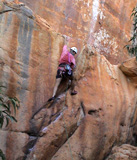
[
  {"x": 8, "y": 105},
  {"x": 2, "y": 155}
]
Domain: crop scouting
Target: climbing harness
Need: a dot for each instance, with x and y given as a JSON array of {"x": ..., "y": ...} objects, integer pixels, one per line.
[{"x": 65, "y": 69}]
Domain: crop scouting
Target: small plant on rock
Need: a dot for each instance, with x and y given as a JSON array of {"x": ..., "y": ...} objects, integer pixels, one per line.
[
  {"x": 8, "y": 105},
  {"x": 132, "y": 48}
]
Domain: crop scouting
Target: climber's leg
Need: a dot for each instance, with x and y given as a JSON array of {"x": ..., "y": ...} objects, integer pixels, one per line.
[
  {"x": 72, "y": 89},
  {"x": 57, "y": 83},
  {"x": 58, "y": 80}
]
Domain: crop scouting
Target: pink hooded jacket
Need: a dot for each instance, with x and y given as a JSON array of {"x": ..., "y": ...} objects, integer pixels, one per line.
[{"x": 67, "y": 58}]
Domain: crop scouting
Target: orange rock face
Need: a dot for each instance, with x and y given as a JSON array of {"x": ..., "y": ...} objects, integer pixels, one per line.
[
  {"x": 129, "y": 68},
  {"x": 105, "y": 24},
  {"x": 103, "y": 113}
]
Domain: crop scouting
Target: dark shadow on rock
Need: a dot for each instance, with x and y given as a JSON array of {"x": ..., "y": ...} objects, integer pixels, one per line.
[
  {"x": 47, "y": 114},
  {"x": 63, "y": 87}
]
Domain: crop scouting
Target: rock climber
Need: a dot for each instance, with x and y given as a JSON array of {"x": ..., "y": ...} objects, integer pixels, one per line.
[{"x": 66, "y": 67}]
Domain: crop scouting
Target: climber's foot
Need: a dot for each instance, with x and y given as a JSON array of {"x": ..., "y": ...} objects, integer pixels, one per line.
[
  {"x": 73, "y": 93},
  {"x": 52, "y": 98}
]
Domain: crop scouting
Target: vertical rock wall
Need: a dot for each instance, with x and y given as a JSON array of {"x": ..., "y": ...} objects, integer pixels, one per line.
[
  {"x": 105, "y": 24},
  {"x": 31, "y": 42}
]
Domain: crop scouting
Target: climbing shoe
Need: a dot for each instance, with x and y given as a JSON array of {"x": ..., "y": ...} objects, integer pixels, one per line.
[
  {"x": 52, "y": 98},
  {"x": 73, "y": 93}
]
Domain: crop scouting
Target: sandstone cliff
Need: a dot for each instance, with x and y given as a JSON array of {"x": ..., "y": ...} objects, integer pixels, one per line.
[{"x": 104, "y": 113}]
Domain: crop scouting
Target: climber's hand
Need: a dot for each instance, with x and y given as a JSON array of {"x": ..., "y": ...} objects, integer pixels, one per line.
[{"x": 67, "y": 39}]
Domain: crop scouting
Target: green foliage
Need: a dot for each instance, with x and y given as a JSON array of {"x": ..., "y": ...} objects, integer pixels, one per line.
[
  {"x": 2, "y": 156},
  {"x": 132, "y": 49},
  {"x": 8, "y": 105}
]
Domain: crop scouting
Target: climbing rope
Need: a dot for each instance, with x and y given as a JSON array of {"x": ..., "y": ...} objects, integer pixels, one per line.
[{"x": 65, "y": 125}]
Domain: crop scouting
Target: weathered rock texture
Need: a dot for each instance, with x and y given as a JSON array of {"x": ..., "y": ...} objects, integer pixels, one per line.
[
  {"x": 124, "y": 152},
  {"x": 106, "y": 24},
  {"x": 129, "y": 69},
  {"x": 103, "y": 114},
  {"x": 12, "y": 143}
]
